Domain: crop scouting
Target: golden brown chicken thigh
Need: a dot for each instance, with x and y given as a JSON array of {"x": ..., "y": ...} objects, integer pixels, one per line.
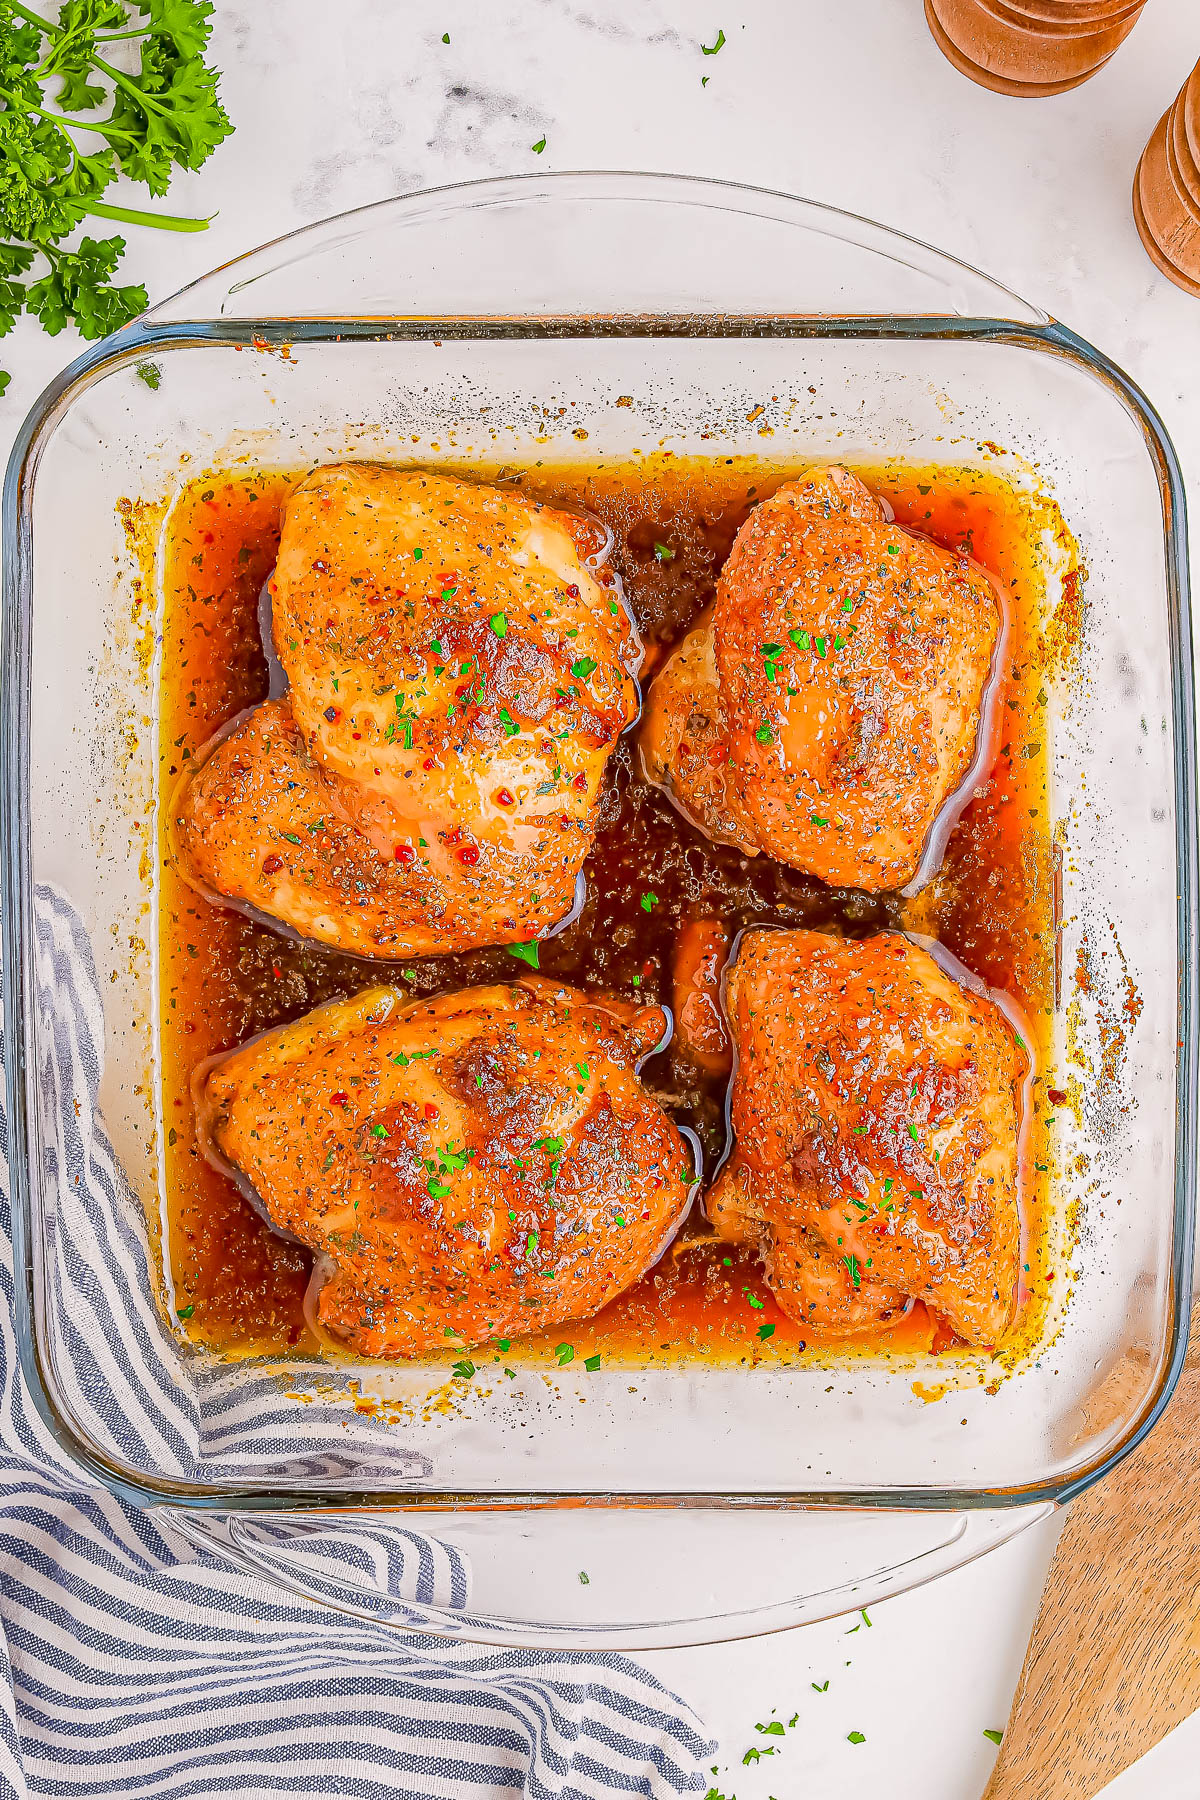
[
  {"x": 457, "y": 678},
  {"x": 479, "y": 1165},
  {"x": 876, "y": 1115},
  {"x": 829, "y": 702}
]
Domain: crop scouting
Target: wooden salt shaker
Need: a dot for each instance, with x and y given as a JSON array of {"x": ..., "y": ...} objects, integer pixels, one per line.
[
  {"x": 1166, "y": 189},
  {"x": 1030, "y": 47}
]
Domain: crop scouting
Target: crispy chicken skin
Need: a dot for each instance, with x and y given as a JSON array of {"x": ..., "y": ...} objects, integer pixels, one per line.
[
  {"x": 478, "y": 1165},
  {"x": 457, "y": 678},
  {"x": 876, "y": 1115},
  {"x": 829, "y": 702}
]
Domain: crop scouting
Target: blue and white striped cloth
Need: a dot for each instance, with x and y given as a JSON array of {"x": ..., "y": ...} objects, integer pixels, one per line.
[{"x": 132, "y": 1664}]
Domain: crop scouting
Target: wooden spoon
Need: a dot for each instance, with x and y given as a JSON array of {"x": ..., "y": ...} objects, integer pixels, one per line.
[{"x": 1114, "y": 1660}]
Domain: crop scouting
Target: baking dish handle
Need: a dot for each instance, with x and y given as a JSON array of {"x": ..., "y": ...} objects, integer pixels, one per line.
[
  {"x": 541, "y": 245},
  {"x": 586, "y": 1578}
]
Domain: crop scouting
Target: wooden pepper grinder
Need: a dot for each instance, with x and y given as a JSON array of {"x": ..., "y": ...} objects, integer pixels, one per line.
[
  {"x": 1030, "y": 47},
  {"x": 1166, "y": 189}
]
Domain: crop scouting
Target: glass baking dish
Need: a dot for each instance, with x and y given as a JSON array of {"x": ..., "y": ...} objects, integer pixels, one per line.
[{"x": 510, "y": 320}]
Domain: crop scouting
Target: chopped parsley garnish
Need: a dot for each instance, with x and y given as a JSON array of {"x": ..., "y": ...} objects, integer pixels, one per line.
[
  {"x": 464, "y": 1369},
  {"x": 766, "y": 1331},
  {"x": 815, "y": 819},
  {"x": 498, "y": 623},
  {"x": 585, "y": 666},
  {"x": 764, "y": 734},
  {"x": 538, "y": 147},
  {"x": 800, "y": 639},
  {"x": 649, "y": 902},
  {"x": 664, "y": 553},
  {"x": 184, "y": 1312},
  {"x": 856, "y": 1737},
  {"x": 592, "y": 1363},
  {"x": 511, "y": 728},
  {"x": 565, "y": 1354},
  {"x": 853, "y": 1269},
  {"x": 526, "y": 953},
  {"x": 711, "y": 49},
  {"x": 996, "y": 1737}
]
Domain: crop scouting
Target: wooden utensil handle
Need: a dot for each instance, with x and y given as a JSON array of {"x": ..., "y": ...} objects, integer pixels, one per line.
[{"x": 1114, "y": 1660}]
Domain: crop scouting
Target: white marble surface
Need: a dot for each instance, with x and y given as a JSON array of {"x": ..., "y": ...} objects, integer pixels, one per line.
[{"x": 848, "y": 103}]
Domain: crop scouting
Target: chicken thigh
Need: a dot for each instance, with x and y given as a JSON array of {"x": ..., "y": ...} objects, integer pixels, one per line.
[
  {"x": 458, "y": 672},
  {"x": 478, "y": 1165},
  {"x": 876, "y": 1114},
  {"x": 829, "y": 703}
]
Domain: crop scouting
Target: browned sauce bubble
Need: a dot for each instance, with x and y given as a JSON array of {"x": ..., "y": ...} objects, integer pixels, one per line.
[{"x": 225, "y": 977}]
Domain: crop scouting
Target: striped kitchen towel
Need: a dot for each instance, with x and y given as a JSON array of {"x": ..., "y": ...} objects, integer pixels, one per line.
[{"x": 134, "y": 1664}]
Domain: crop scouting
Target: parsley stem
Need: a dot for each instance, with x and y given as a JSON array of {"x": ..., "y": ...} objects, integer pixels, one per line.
[
  {"x": 66, "y": 124},
  {"x": 44, "y": 25},
  {"x": 146, "y": 101},
  {"x": 130, "y": 215}
]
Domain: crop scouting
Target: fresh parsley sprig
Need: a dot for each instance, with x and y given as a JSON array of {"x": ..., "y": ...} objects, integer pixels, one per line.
[{"x": 71, "y": 121}]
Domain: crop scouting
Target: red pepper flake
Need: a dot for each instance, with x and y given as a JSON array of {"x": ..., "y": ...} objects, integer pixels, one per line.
[
  {"x": 580, "y": 781},
  {"x": 573, "y": 592},
  {"x": 431, "y": 1111},
  {"x": 453, "y": 836},
  {"x": 404, "y": 853},
  {"x": 356, "y": 734},
  {"x": 271, "y": 865},
  {"x": 339, "y": 1099},
  {"x": 427, "y": 764},
  {"x": 564, "y": 824},
  {"x": 503, "y": 797},
  {"x": 469, "y": 854}
]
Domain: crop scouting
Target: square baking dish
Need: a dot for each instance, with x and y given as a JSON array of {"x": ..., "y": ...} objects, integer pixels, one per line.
[{"x": 500, "y": 321}]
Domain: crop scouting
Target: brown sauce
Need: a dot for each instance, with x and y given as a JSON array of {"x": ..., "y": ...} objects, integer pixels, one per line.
[{"x": 238, "y": 1286}]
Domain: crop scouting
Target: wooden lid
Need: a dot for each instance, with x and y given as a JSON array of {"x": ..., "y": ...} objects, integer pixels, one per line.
[
  {"x": 1030, "y": 47},
  {"x": 1167, "y": 218}
]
